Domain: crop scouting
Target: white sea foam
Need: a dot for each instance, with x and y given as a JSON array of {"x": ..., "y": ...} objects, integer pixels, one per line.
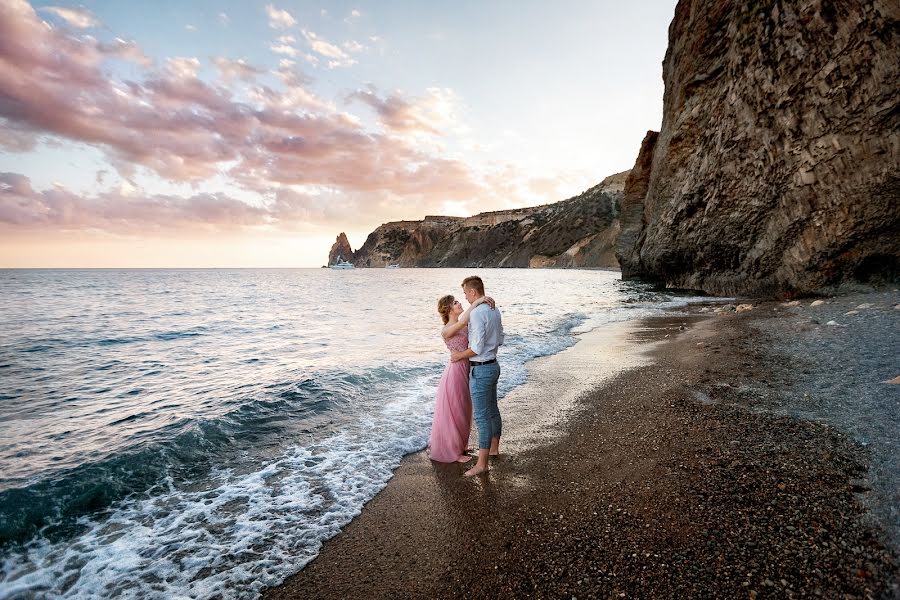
[{"x": 236, "y": 536}]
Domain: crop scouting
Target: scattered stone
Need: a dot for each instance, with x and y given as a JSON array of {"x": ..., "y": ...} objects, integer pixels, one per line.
[
  {"x": 832, "y": 323},
  {"x": 791, "y": 303},
  {"x": 726, "y": 308},
  {"x": 852, "y": 312},
  {"x": 864, "y": 306},
  {"x": 743, "y": 307},
  {"x": 895, "y": 380},
  {"x": 817, "y": 303}
]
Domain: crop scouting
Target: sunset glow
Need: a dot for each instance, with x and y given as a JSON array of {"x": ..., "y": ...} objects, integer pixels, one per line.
[{"x": 250, "y": 134}]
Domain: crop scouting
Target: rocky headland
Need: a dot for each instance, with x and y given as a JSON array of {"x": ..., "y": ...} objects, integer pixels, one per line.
[{"x": 578, "y": 232}]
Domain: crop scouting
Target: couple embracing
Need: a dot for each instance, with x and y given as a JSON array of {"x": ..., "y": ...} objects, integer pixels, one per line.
[{"x": 469, "y": 382}]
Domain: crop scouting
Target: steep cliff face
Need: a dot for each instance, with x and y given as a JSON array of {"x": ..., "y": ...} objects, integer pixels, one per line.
[
  {"x": 579, "y": 232},
  {"x": 631, "y": 236},
  {"x": 340, "y": 249},
  {"x": 404, "y": 242},
  {"x": 777, "y": 167}
]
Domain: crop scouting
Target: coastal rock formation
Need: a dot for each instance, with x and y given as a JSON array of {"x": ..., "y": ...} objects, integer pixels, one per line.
[
  {"x": 579, "y": 232},
  {"x": 777, "y": 167},
  {"x": 340, "y": 249},
  {"x": 631, "y": 221}
]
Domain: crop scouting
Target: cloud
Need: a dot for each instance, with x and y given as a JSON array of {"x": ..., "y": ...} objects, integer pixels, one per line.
[
  {"x": 279, "y": 19},
  {"x": 433, "y": 113},
  {"x": 230, "y": 70},
  {"x": 284, "y": 49},
  {"x": 76, "y": 17},
  {"x": 354, "y": 46},
  {"x": 336, "y": 56},
  {"x": 168, "y": 121},
  {"x": 190, "y": 27},
  {"x": 125, "y": 50},
  {"x": 223, "y": 18},
  {"x": 354, "y": 14},
  {"x": 124, "y": 211},
  {"x": 60, "y": 210},
  {"x": 183, "y": 68}
]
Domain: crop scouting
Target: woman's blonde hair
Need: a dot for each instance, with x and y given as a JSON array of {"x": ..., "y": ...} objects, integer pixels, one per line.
[{"x": 445, "y": 305}]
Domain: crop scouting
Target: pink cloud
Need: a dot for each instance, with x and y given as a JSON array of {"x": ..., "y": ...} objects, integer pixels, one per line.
[
  {"x": 80, "y": 18},
  {"x": 55, "y": 85},
  {"x": 59, "y": 209},
  {"x": 23, "y": 209},
  {"x": 230, "y": 70},
  {"x": 279, "y": 19},
  {"x": 336, "y": 57},
  {"x": 428, "y": 114}
]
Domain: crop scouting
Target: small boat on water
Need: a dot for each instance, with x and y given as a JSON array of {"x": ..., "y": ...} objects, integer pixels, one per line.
[
  {"x": 392, "y": 267},
  {"x": 340, "y": 263}
]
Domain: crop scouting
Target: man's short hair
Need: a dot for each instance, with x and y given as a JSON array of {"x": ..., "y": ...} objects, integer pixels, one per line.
[{"x": 474, "y": 283}]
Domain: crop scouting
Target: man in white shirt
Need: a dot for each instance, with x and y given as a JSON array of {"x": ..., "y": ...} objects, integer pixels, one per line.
[{"x": 485, "y": 337}]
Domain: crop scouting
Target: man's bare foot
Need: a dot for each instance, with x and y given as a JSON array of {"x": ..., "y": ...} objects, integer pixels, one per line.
[
  {"x": 476, "y": 470},
  {"x": 494, "y": 453},
  {"x": 463, "y": 458}
]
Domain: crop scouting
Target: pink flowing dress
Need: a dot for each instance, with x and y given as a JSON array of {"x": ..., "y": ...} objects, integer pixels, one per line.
[{"x": 453, "y": 407}]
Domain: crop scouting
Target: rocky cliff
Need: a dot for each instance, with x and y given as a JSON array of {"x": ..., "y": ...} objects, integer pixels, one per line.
[
  {"x": 340, "y": 249},
  {"x": 579, "y": 232},
  {"x": 777, "y": 167}
]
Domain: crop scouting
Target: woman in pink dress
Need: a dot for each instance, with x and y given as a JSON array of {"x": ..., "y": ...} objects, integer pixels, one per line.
[{"x": 453, "y": 407}]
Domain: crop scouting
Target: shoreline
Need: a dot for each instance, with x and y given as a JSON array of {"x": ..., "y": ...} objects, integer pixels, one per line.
[{"x": 656, "y": 482}]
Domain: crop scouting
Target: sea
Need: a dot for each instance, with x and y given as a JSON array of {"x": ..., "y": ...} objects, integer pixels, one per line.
[{"x": 200, "y": 433}]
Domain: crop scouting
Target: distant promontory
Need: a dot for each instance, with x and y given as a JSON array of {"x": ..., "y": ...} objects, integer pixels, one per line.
[{"x": 578, "y": 232}]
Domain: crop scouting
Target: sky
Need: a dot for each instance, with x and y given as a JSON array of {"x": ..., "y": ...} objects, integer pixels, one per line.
[{"x": 250, "y": 134}]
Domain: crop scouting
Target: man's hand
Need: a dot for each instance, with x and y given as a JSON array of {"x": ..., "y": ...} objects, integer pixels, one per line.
[{"x": 462, "y": 354}]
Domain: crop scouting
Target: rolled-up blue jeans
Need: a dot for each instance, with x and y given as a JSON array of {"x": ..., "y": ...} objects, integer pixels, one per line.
[{"x": 483, "y": 388}]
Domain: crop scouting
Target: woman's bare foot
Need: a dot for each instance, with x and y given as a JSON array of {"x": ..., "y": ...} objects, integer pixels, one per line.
[
  {"x": 476, "y": 470},
  {"x": 463, "y": 458}
]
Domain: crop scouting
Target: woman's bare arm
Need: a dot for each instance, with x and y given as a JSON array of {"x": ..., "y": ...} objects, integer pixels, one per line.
[{"x": 453, "y": 328}]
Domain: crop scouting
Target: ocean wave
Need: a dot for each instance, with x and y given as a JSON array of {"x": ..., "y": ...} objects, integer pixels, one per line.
[
  {"x": 186, "y": 451},
  {"x": 231, "y": 531}
]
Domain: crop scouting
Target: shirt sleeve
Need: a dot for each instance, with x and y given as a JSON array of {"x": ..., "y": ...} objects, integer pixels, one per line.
[{"x": 477, "y": 328}]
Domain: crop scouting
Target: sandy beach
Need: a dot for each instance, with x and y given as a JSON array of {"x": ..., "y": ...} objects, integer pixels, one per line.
[{"x": 646, "y": 461}]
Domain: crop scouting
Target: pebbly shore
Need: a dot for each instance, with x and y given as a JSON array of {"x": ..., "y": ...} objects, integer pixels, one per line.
[{"x": 696, "y": 472}]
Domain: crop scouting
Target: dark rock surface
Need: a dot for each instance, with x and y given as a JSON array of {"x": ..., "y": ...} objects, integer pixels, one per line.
[
  {"x": 579, "y": 232},
  {"x": 340, "y": 249},
  {"x": 631, "y": 221},
  {"x": 777, "y": 167}
]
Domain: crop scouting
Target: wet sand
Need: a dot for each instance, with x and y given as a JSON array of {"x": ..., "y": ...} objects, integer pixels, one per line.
[{"x": 629, "y": 469}]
